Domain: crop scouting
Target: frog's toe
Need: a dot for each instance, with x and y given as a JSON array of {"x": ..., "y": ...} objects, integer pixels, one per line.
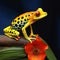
[
  {"x": 31, "y": 38},
  {"x": 33, "y": 35},
  {"x": 17, "y": 38}
]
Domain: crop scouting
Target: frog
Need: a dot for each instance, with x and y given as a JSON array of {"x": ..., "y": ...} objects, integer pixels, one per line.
[{"x": 23, "y": 21}]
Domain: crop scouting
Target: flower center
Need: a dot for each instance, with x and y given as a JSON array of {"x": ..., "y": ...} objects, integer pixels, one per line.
[{"x": 36, "y": 51}]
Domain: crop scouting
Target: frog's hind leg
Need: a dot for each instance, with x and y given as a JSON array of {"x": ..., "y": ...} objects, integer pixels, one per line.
[
  {"x": 7, "y": 30},
  {"x": 12, "y": 33}
]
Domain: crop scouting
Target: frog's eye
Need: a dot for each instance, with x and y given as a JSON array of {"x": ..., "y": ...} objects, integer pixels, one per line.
[{"x": 37, "y": 14}]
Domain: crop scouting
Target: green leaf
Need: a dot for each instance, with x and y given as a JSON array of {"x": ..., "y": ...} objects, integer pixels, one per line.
[
  {"x": 24, "y": 59},
  {"x": 12, "y": 53},
  {"x": 49, "y": 53}
]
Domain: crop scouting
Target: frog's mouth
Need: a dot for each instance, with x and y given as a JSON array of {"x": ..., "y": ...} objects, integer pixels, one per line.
[{"x": 39, "y": 14}]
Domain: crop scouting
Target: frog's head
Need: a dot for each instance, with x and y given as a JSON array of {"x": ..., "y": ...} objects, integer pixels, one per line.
[{"x": 39, "y": 14}]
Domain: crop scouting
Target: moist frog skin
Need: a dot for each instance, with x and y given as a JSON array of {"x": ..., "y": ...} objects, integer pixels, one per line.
[{"x": 21, "y": 22}]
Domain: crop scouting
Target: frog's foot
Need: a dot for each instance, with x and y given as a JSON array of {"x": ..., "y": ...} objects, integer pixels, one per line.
[
  {"x": 17, "y": 38},
  {"x": 33, "y": 35},
  {"x": 31, "y": 38}
]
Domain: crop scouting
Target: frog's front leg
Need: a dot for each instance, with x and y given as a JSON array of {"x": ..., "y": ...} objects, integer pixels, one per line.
[
  {"x": 12, "y": 33},
  {"x": 32, "y": 34},
  {"x": 25, "y": 33}
]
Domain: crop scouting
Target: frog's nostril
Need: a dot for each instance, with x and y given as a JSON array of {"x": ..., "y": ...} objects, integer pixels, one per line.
[{"x": 37, "y": 13}]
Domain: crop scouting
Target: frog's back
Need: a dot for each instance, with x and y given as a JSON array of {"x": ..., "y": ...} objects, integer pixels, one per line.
[{"x": 21, "y": 20}]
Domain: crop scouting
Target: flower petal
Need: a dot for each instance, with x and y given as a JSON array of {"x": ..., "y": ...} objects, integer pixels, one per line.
[
  {"x": 38, "y": 57},
  {"x": 39, "y": 42},
  {"x": 36, "y": 49},
  {"x": 28, "y": 48}
]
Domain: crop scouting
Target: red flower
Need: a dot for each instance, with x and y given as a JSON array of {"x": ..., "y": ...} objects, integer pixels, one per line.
[{"x": 36, "y": 49}]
